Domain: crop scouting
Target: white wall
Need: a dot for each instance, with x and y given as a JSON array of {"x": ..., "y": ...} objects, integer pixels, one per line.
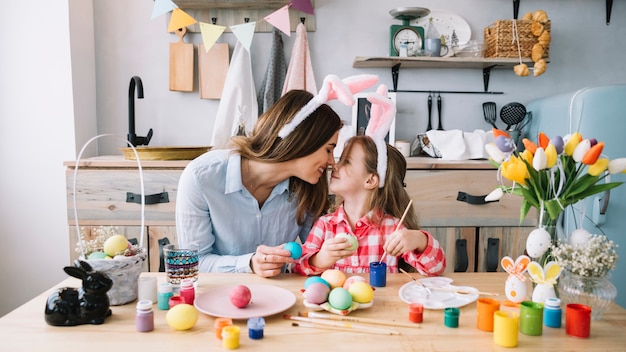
[{"x": 48, "y": 93}]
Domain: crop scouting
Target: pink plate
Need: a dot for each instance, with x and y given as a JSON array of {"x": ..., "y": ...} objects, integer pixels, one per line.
[{"x": 266, "y": 300}]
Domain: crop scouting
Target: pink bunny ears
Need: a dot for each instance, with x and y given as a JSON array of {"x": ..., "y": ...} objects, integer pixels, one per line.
[
  {"x": 382, "y": 113},
  {"x": 332, "y": 88}
]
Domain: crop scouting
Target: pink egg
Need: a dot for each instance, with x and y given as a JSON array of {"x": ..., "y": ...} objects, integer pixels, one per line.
[
  {"x": 316, "y": 293},
  {"x": 351, "y": 280}
]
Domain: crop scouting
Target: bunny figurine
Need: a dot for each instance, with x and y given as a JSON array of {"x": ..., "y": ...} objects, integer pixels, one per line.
[
  {"x": 545, "y": 278},
  {"x": 515, "y": 287},
  {"x": 89, "y": 304}
]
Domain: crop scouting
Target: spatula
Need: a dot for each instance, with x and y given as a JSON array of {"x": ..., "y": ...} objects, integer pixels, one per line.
[{"x": 489, "y": 110}]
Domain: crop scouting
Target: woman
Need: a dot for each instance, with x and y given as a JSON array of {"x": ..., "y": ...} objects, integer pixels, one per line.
[{"x": 241, "y": 205}]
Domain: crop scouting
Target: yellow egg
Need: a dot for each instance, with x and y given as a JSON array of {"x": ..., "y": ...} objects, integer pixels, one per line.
[
  {"x": 361, "y": 292},
  {"x": 182, "y": 316},
  {"x": 115, "y": 244},
  {"x": 334, "y": 277}
]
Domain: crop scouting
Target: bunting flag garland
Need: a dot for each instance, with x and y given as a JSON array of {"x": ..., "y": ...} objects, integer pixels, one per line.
[
  {"x": 180, "y": 19},
  {"x": 244, "y": 33},
  {"x": 280, "y": 20},
  {"x": 162, "y": 7},
  {"x": 210, "y": 33},
  {"x": 302, "y": 5}
]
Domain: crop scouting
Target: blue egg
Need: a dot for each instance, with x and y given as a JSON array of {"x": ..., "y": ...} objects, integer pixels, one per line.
[
  {"x": 314, "y": 279},
  {"x": 505, "y": 144},
  {"x": 294, "y": 248}
]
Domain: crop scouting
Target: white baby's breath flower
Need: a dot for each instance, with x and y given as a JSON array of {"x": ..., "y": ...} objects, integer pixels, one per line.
[{"x": 595, "y": 258}]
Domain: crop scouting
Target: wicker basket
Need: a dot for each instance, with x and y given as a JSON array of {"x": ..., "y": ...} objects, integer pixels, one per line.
[
  {"x": 123, "y": 271},
  {"x": 500, "y": 42}
]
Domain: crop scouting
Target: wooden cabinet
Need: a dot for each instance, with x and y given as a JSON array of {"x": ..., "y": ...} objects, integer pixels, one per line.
[{"x": 474, "y": 236}]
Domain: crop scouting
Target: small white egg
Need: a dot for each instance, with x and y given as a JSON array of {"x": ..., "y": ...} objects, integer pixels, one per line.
[
  {"x": 538, "y": 242},
  {"x": 578, "y": 237}
]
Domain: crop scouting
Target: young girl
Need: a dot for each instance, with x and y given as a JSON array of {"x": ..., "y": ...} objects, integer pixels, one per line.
[{"x": 369, "y": 178}]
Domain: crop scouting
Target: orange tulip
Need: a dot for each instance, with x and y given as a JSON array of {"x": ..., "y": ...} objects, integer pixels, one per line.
[
  {"x": 529, "y": 145},
  {"x": 497, "y": 133},
  {"x": 543, "y": 140},
  {"x": 592, "y": 155}
]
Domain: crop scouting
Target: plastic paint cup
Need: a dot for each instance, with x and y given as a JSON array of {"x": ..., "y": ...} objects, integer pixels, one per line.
[
  {"x": 147, "y": 289},
  {"x": 230, "y": 337},
  {"x": 220, "y": 324},
  {"x": 451, "y": 317},
  {"x": 416, "y": 312},
  {"x": 378, "y": 274},
  {"x": 255, "y": 328},
  {"x": 174, "y": 300},
  {"x": 505, "y": 328},
  {"x": 577, "y": 320},
  {"x": 531, "y": 318},
  {"x": 486, "y": 307},
  {"x": 552, "y": 313}
]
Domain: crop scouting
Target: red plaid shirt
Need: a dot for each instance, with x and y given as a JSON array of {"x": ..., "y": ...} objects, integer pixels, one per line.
[{"x": 371, "y": 236}]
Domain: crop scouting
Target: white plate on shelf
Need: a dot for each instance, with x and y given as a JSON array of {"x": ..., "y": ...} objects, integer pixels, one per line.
[
  {"x": 446, "y": 22},
  {"x": 411, "y": 292},
  {"x": 266, "y": 300}
]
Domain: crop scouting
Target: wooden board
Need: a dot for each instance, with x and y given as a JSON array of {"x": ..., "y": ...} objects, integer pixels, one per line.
[
  {"x": 212, "y": 70},
  {"x": 181, "y": 64}
]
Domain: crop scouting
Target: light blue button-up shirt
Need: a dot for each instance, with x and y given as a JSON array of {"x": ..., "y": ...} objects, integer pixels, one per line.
[{"x": 215, "y": 211}]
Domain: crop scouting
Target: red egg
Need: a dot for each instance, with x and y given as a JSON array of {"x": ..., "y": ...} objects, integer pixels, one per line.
[{"x": 240, "y": 296}]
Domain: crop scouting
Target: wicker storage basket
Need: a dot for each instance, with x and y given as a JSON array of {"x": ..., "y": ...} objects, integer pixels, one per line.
[
  {"x": 500, "y": 39},
  {"x": 123, "y": 271}
]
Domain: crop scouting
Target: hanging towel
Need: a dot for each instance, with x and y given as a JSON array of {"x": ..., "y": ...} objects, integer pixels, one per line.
[
  {"x": 300, "y": 71},
  {"x": 238, "y": 104},
  {"x": 272, "y": 86}
]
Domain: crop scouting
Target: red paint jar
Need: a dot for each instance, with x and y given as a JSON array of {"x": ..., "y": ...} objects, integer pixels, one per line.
[
  {"x": 416, "y": 312},
  {"x": 174, "y": 300}
]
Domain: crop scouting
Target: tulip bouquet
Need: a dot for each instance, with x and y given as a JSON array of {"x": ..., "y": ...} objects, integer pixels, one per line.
[{"x": 553, "y": 173}]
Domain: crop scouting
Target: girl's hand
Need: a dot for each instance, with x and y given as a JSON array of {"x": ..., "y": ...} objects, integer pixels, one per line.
[
  {"x": 332, "y": 250},
  {"x": 269, "y": 261},
  {"x": 405, "y": 240}
]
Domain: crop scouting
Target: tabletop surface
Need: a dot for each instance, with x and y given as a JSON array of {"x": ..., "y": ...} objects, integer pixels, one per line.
[{"x": 25, "y": 328}]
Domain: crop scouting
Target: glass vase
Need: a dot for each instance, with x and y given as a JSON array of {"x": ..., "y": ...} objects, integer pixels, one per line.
[
  {"x": 595, "y": 292},
  {"x": 550, "y": 225}
]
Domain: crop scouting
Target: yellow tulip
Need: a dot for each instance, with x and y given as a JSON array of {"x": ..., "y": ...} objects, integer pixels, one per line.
[
  {"x": 528, "y": 156},
  {"x": 617, "y": 166},
  {"x": 515, "y": 170},
  {"x": 551, "y": 155},
  {"x": 540, "y": 160},
  {"x": 598, "y": 167},
  {"x": 572, "y": 142}
]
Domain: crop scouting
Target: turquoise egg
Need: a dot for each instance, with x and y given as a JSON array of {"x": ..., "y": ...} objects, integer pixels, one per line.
[
  {"x": 97, "y": 255},
  {"x": 340, "y": 298},
  {"x": 294, "y": 248},
  {"x": 314, "y": 279}
]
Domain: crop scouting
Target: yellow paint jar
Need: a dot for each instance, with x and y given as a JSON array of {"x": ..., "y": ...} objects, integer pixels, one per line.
[
  {"x": 505, "y": 328},
  {"x": 230, "y": 337}
]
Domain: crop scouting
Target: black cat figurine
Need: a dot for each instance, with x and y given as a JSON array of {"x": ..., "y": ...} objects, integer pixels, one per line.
[{"x": 89, "y": 304}]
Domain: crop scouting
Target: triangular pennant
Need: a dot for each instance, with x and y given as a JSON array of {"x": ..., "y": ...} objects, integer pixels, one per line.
[
  {"x": 210, "y": 33},
  {"x": 161, "y": 7},
  {"x": 303, "y": 5},
  {"x": 280, "y": 20},
  {"x": 244, "y": 33},
  {"x": 180, "y": 19}
]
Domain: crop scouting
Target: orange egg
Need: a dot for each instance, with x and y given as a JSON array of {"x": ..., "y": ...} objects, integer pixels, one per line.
[{"x": 334, "y": 277}]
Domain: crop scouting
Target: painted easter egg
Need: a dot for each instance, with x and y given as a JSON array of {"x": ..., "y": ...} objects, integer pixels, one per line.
[
  {"x": 115, "y": 244},
  {"x": 578, "y": 237},
  {"x": 334, "y": 277},
  {"x": 515, "y": 289},
  {"x": 314, "y": 279},
  {"x": 182, "y": 316},
  {"x": 317, "y": 293},
  {"x": 558, "y": 144},
  {"x": 340, "y": 298},
  {"x": 294, "y": 248},
  {"x": 354, "y": 242},
  {"x": 538, "y": 242},
  {"x": 351, "y": 280},
  {"x": 361, "y": 292},
  {"x": 505, "y": 144}
]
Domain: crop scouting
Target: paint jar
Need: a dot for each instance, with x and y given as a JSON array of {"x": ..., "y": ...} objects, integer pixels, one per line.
[
  {"x": 144, "y": 318},
  {"x": 165, "y": 292},
  {"x": 255, "y": 328},
  {"x": 577, "y": 320},
  {"x": 451, "y": 317},
  {"x": 552, "y": 312},
  {"x": 187, "y": 291},
  {"x": 416, "y": 312},
  {"x": 378, "y": 274},
  {"x": 531, "y": 318},
  {"x": 220, "y": 324},
  {"x": 486, "y": 307},
  {"x": 505, "y": 328},
  {"x": 147, "y": 289},
  {"x": 175, "y": 300},
  {"x": 230, "y": 337}
]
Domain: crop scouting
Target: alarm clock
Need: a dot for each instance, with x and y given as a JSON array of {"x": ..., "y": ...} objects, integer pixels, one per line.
[{"x": 405, "y": 34}]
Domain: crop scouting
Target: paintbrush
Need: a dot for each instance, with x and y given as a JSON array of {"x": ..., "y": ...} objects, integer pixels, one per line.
[
  {"x": 464, "y": 292},
  {"x": 356, "y": 319},
  {"x": 326, "y": 327},
  {"x": 416, "y": 281},
  {"x": 406, "y": 211},
  {"x": 344, "y": 325}
]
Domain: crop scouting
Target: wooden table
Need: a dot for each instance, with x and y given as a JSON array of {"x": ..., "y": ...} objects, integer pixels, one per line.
[{"x": 25, "y": 329}]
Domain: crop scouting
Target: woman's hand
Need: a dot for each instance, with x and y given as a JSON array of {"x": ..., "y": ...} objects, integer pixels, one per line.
[
  {"x": 332, "y": 250},
  {"x": 269, "y": 261},
  {"x": 405, "y": 240}
]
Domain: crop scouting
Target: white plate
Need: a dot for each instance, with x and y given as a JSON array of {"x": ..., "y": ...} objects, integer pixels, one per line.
[
  {"x": 411, "y": 292},
  {"x": 447, "y": 22},
  {"x": 266, "y": 300}
]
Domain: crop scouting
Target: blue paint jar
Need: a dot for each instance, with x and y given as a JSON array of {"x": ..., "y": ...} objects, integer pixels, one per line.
[
  {"x": 255, "y": 328},
  {"x": 552, "y": 312},
  {"x": 165, "y": 292},
  {"x": 378, "y": 274}
]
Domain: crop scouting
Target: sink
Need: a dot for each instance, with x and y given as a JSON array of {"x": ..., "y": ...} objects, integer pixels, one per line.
[{"x": 164, "y": 153}]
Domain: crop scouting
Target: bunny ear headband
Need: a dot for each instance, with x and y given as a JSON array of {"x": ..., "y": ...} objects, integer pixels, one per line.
[
  {"x": 382, "y": 113},
  {"x": 332, "y": 88}
]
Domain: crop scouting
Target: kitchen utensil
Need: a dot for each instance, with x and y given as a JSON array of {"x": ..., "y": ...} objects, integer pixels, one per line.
[
  {"x": 212, "y": 70},
  {"x": 512, "y": 114},
  {"x": 430, "y": 111},
  {"x": 181, "y": 63},
  {"x": 489, "y": 110},
  {"x": 520, "y": 126},
  {"x": 440, "y": 127}
]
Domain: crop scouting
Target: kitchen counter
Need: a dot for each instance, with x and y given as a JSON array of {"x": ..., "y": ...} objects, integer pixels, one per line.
[{"x": 25, "y": 329}]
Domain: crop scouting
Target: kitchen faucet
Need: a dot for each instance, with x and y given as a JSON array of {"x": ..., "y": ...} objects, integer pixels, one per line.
[{"x": 132, "y": 137}]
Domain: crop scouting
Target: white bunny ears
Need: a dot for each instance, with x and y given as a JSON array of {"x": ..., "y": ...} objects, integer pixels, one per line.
[
  {"x": 382, "y": 113},
  {"x": 332, "y": 88}
]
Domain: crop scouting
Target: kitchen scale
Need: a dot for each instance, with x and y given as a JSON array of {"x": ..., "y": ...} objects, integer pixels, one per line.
[{"x": 405, "y": 34}]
